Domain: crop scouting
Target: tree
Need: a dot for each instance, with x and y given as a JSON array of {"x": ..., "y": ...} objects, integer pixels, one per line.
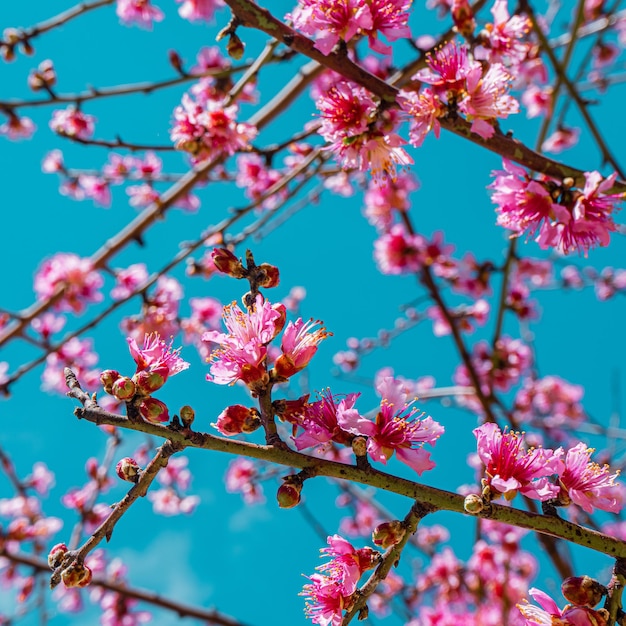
[{"x": 252, "y": 164}]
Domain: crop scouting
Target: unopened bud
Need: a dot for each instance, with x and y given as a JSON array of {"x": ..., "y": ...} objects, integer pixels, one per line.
[
  {"x": 56, "y": 554},
  {"x": 473, "y": 504},
  {"x": 235, "y": 47},
  {"x": 582, "y": 591},
  {"x": 127, "y": 469},
  {"x": 123, "y": 388},
  {"x": 149, "y": 382},
  {"x": 27, "y": 47},
  {"x": 288, "y": 494},
  {"x": 270, "y": 276},
  {"x": 76, "y": 575},
  {"x": 107, "y": 378},
  {"x": 187, "y": 415},
  {"x": 388, "y": 534},
  {"x": 175, "y": 61},
  {"x": 225, "y": 261},
  {"x": 154, "y": 411},
  {"x": 236, "y": 419},
  {"x": 11, "y": 36},
  {"x": 359, "y": 446}
]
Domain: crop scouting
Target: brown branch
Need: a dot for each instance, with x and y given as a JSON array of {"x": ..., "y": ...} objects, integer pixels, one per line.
[
  {"x": 149, "y": 597},
  {"x": 118, "y": 143},
  {"x": 438, "y": 498}
]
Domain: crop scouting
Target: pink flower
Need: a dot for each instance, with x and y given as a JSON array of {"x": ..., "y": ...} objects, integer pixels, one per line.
[
  {"x": 326, "y": 600},
  {"x": 561, "y": 139},
  {"x": 299, "y": 344},
  {"x": 504, "y": 37},
  {"x": 332, "y": 20},
  {"x": 52, "y": 162},
  {"x": 425, "y": 109},
  {"x": 73, "y": 123},
  {"x": 398, "y": 252},
  {"x": 396, "y": 428},
  {"x": 48, "y": 324},
  {"x": 16, "y": 128},
  {"x": 537, "y": 100},
  {"x": 139, "y": 12},
  {"x": 167, "y": 502},
  {"x": 549, "y": 613},
  {"x": 209, "y": 129},
  {"x": 588, "y": 484},
  {"x": 96, "y": 188},
  {"x": 510, "y": 468},
  {"x": 382, "y": 200},
  {"x": 389, "y": 17},
  {"x": 196, "y": 10},
  {"x": 242, "y": 477},
  {"x": 118, "y": 168},
  {"x": 79, "y": 280},
  {"x": 243, "y": 350},
  {"x": 142, "y": 195},
  {"x": 156, "y": 355},
  {"x": 127, "y": 280}
]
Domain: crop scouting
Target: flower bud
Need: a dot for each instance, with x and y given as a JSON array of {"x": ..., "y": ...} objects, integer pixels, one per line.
[
  {"x": 289, "y": 492},
  {"x": 107, "y": 378},
  {"x": 388, "y": 534},
  {"x": 226, "y": 262},
  {"x": 269, "y": 276},
  {"x": 582, "y": 591},
  {"x": 150, "y": 381},
  {"x": 235, "y": 47},
  {"x": 237, "y": 419},
  {"x": 127, "y": 469},
  {"x": 175, "y": 61},
  {"x": 123, "y": 388},
  {"x": 76, "y": 575},
  {"x": 359, "y": 446},
  {"x": 154, "y": 411},
  {"x": 56, "y": 554},
  {"x": 473, "y": 504},
  {"x": 187, "y": 415}
]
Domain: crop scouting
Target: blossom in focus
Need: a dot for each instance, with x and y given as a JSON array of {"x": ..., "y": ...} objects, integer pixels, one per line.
[
  {"x": 243, "y": 350},
  {"x": 510, "y": 467},
  {"x": 156, "y": 355},
  {"x": 80, "y": 281},
  {"x": 548, "y": 612},
  {"x": 73, "y": 123},
  {"x": 299, "y": 344},
  {"x": 589, "y": 485},
  {"x": 396, "y": 429}
]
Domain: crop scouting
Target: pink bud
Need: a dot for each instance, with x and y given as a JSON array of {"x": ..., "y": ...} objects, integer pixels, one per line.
[
  {"x": 149, "y": 382},
  {"x": 237, "y": 419},
  {"x": 56, "y": 554},
  {"x": 270, "y": 276},
  {"x": 107, "y": 378},
  {"x": 127, "y": 469},
  {"x": 154, "y": 411},
  {"x": 123, "y": 388},
  {"x": 225, "y": 261},
  {"x": 388, "y": 534}
]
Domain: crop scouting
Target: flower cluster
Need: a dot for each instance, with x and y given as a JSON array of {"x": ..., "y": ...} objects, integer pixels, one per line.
[
  {"x": 562, "y": 218},
  {"x": 332, "y": 592},
  {"x": 458, "y": 83},
  {"x": 579, "y": 613},
  {"x": 544, "y": 474}
]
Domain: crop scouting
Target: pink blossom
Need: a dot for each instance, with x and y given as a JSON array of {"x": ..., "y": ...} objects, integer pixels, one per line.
[
  {"x": 330, "y": 21},
  {"x": 561, "y": 139},
  {"x": 52, "y": 162},
  {"x": 142, "y": 195},
  {"x": 588, "y": 484},
  {"x": 156, "y": 355},
  {"x": 139, "y": 12},
  {"x": 48, "y": 324},
  {"x": 549, "y": 613},
  {"x": 398, "y": 252},
  {"x": 243, "y": 350},
  {"x": 149, "y": 167},
  {"x": 41, "y": 480},
  {"x": 167, "y": 502},
  {"x": 96, "y": 188},
  {"x": 127, "y": 280},
  {"x": 118, "y": 168},
  {"x": 209, "y": 129},
  {"x": 326, "y": 600},
  {"x": 389, "y": 18},
  {"x": 242, "y": 477},
  {"x": 16, "y": 128},
  {"x": 396, "y": 428},
  {"x": 197, "y": 10},
  {"x": 210, "y": 58},
  {"x": 503, "y": 38},
  {"x": 537, "y": 100},
  {"x": 79, "y": 280},
  {"x": 299, "y": 345},
  {"x": 510, "y": 468},
  {"x": 73, "y": 123},
  {"x": 383, "y": 199}
]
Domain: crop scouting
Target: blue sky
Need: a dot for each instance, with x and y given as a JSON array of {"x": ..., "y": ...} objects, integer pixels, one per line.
[{"x": 226, "y": 550}]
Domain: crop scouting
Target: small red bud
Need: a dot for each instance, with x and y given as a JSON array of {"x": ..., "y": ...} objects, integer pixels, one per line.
[
  {"x": 127, "y": 469},
  {"x": 226, "y": 262},
  {"x": 582, "y": 591},
  {"x": 288, "y": 494},
  {"x": 388, "y": 534},
  {"x": 76, "y": 575},
  {"x": 269, "y": 277},
  {"x": 107, "y": 378},
  {"x": 237, "y": 419},
  {"x": 55, "y": 557},
  {"x": 175, "y": 61},
  {"x": 187, "y": 415},
  {"x": 123, "y": 388},
  {"x": 154, "y": 411}
]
